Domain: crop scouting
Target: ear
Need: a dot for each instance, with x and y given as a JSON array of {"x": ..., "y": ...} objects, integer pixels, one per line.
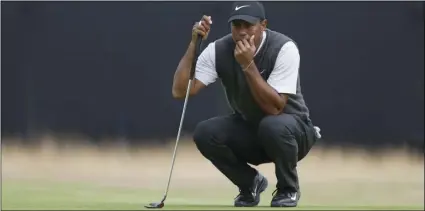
[{"x": 264, "y": 24}]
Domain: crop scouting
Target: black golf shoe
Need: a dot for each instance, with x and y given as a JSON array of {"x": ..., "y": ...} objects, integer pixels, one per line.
[
  {"x": 251, "y": 196},
  {"x": 285, "y": 199}
]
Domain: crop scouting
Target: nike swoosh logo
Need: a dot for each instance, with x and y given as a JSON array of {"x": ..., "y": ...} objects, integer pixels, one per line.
[
  {"x": 262, "y": 71},
  {"x": 254, "y": 192},
  {"x": 238, "y": 8},
  {"x": 294, "y": 197}
]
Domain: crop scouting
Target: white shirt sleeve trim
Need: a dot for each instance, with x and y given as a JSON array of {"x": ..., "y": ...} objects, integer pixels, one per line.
[
  {"x": 284, "y": 75},
  {"x": 205, "y": 71}
]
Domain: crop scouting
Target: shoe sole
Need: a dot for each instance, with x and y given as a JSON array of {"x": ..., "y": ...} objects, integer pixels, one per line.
[
  {"x": 294, "y": 204},
  {"x": 262, "y": 187}
]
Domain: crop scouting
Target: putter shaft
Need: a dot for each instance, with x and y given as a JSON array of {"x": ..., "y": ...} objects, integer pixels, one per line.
[
  {"x": 177, "y": 139},
  {"x": 189, "y": 86}
]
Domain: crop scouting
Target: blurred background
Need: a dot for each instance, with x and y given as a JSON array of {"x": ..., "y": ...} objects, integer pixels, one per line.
[{"x": 97, "y": 74}]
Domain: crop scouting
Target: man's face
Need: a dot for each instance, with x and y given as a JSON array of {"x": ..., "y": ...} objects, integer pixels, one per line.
[{"x": 244, "y": 30}]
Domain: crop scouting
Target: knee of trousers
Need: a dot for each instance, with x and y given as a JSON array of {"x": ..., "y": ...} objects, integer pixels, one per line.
[
  {"x": 275, "y": 129},
  {"x": 203, "y": 137}
]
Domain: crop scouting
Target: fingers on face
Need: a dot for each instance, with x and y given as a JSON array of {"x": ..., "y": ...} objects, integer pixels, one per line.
[
  {"x": 251, "y": 40},
  {"x": 246, "y": 43},
  {"x": 238, "y": 49},
  {"x": 241, "y": 45}
]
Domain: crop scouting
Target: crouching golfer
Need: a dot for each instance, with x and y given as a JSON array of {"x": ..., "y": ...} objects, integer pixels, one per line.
[{"x": 258, "y": 68}]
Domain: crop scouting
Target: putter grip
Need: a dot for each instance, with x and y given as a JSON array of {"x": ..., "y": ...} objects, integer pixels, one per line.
[{"x": 197, "y": 52}]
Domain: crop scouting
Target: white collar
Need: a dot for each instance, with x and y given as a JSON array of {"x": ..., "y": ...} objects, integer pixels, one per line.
[{"x": 262, "y": 42}]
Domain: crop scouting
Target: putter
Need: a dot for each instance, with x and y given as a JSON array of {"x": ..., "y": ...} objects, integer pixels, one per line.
[{"x": 192, "y": 74}]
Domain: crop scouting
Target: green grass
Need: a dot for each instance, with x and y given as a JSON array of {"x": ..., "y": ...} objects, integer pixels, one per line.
[{"x": 47, "y": 195}]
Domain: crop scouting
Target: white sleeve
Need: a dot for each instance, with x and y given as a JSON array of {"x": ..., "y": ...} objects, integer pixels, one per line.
[
  {"x": 205, "y": 70},
  {"x": 284, "y": 75}
]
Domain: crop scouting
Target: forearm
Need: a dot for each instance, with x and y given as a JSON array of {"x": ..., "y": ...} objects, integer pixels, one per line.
[
  {"x": 266, "y": 97},
  {"x": 182, "y": 74}
]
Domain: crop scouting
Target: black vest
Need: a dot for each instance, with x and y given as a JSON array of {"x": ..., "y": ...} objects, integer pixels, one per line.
[{"x": 234, "y": 82}]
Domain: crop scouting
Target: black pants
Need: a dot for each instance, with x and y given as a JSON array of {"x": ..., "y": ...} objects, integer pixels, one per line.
[{"x": 230, "y": 143}]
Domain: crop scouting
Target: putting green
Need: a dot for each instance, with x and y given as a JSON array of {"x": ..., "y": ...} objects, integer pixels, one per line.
[
  {"x": 88, "y": 178},
  {"x": 27, "y": 195}
]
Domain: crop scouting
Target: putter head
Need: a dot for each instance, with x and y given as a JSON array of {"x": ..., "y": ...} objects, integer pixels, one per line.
[{"x": 155, "y": 205}]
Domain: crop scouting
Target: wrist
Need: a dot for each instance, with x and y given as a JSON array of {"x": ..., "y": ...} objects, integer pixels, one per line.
[
  {"x": 192, "y": 43},
  {"x": 247, "y": 66}
]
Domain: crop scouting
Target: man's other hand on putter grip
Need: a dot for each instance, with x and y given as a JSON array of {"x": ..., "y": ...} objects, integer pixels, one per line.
[
  {"x": 270, "y": 122},
  {"x": 182, "y": 74}
]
